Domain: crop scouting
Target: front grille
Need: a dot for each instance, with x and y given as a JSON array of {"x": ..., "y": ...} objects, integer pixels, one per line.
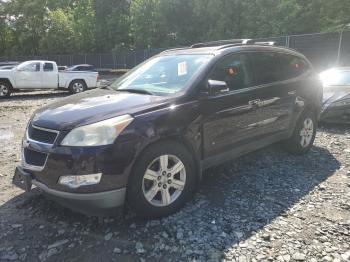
[
  {"x": 41, "y": 135},
  {"x": 34, "y": 158}
]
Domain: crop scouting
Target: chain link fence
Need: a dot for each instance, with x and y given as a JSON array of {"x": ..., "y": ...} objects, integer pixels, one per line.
[
  {"x": 320, "y": 49},
  {"x": 124, "y": 60}
]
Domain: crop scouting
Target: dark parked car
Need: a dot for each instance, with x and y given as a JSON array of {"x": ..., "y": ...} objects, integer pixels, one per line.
[
  {"x": 336, "y": 95},
  {"x": 146, "y": 139},
  {"x": 81, "y": 68},
  {"x": 62, "y": 68}
]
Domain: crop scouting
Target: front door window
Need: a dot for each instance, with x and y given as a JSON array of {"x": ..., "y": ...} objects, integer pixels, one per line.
[{"x": 235, "y": 70}]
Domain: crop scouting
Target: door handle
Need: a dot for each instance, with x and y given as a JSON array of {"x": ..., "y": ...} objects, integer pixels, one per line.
[{"x": 254, "y": 102}]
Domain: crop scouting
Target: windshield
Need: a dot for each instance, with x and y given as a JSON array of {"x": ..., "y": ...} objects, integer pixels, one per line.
[
  {"x": 336, "y": 78},
  {"x": 163, "y": 75},
  {"x": 29, "y": 66},
  {"x": 80, "y": 68}
]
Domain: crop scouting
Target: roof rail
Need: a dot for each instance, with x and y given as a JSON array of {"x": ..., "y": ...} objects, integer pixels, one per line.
[
  {"x": 265, "y": 43},
  {"x": 222, "y": 42},
  {"x": 229, "y": 45},
  {"x": 174, "y": 49}
]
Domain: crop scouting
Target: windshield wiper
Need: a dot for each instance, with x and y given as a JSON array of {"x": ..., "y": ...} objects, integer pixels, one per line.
[{"x": 137, "y": 91}]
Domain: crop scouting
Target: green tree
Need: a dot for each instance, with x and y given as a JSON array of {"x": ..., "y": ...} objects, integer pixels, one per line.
[
  {"x": 334, "y": 14},
  {"x": 6, "y": 34},
  {"x": 179, "y": 21},
  {"x": 83, "y": 25},
  {"x": 147, "y": 28},
  {"x": 27, "y": 18},
  {"x": 78, "y": 26},
  {"x": 112, "y": 25},
  {"x": 59, "y": 37},
  {"x": 46, "y": 26}
]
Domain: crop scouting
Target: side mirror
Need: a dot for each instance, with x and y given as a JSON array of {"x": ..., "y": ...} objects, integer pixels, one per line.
[{"x": 216, "y": 87}]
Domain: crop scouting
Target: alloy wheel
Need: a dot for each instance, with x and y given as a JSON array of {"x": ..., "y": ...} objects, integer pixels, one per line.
[
  {"x": 78, "y": 87},
  {"x": 306, "y": 132},
  {"x": 4, "y": 90},
  {"x": 164, "y": 180}
]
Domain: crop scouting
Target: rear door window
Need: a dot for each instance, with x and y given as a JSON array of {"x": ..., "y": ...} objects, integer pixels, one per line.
[
  {"x": 293, "y": 66},
  {"x": 48, "y": 67},
  {"x": 267, "y": 67},
  {"x": 235, "y": 70}
]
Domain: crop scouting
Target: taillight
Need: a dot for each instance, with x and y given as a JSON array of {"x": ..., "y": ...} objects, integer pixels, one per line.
[{"x": 98, "y": 77}]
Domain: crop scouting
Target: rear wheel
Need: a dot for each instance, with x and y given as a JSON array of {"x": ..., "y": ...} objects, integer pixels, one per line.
[
  {"x": 5, "y": 90},
  {"x": 77, "y": 86},
  {"x": 162, "y": 181},
  {"x": 304, "y": 134}
]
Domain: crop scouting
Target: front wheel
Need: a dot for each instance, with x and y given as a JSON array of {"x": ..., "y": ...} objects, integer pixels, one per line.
[
  {"x": 77, "y": 86},
  {"x": 162, "y": 181},
  {"x": 304, "y": 134}
]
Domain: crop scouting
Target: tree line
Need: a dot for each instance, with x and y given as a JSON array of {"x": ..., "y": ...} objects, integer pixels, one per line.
[{"x": 39, "y": 27}]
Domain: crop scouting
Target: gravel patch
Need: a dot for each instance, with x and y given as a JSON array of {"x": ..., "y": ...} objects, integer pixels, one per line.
[{"x": 266, "y": 206}]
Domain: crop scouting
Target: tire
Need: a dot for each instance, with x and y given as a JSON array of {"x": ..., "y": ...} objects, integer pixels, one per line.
[
  {"x": 154, "y": 183},
  {"x": 5, "y": 89},
  {"x": 77, "y": 86},
  {"x": 304, "y": 134}
]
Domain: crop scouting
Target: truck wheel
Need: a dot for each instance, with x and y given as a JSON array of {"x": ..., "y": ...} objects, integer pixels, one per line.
[
  {"x": 304, "y": 134},
  {"x": 5, "y": 90},
  {"x": 163, "y": 179},
  {"x": 77, "y": 86}
]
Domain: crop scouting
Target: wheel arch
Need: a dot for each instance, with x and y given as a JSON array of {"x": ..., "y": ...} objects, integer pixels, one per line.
[
  {"x": 6, "y": 80},
  {"x": 307, "y": 106},
  {"x": 76, "y": 79},
  {"x": 196, "y": 157},
  {"x": 315, "y": 108}
]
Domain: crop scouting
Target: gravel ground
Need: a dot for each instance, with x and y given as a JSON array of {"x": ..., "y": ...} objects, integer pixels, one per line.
[{"x": 266, "y": 206}]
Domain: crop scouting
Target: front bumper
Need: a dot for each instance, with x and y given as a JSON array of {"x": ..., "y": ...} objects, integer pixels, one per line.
[
  {"x": 88, "y": 203},
  {"x": 44, "y": 161}
]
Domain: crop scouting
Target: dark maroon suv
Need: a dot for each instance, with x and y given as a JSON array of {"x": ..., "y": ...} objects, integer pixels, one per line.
[{"x": 146, "y": 139}]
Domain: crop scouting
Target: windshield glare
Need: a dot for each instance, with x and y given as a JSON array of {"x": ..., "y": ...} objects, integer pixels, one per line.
[
  {"x": 164, "y": 75},
  {"x": 336, "y": 78}
]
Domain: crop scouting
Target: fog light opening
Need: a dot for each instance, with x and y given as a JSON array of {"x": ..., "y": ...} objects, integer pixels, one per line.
[{"x": 79, "y": 181}]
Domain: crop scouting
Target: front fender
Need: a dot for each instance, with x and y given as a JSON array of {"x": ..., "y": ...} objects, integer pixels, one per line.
[
  {"x": 8, "y": 78},
  {"x": 163, "y": 125}
]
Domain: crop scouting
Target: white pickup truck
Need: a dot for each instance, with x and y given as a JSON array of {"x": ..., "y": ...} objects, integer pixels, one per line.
[{"x": 44, "y": 75}]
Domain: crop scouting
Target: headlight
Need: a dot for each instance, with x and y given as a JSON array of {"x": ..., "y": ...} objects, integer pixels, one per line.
[{"x": 97, "y": 134}]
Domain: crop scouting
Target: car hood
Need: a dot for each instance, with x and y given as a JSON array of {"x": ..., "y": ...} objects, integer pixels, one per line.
[
  {"x": 5, "y": 72},
  {"x": 93, "y": 106},
  {"x": 333, "y": 94}
]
